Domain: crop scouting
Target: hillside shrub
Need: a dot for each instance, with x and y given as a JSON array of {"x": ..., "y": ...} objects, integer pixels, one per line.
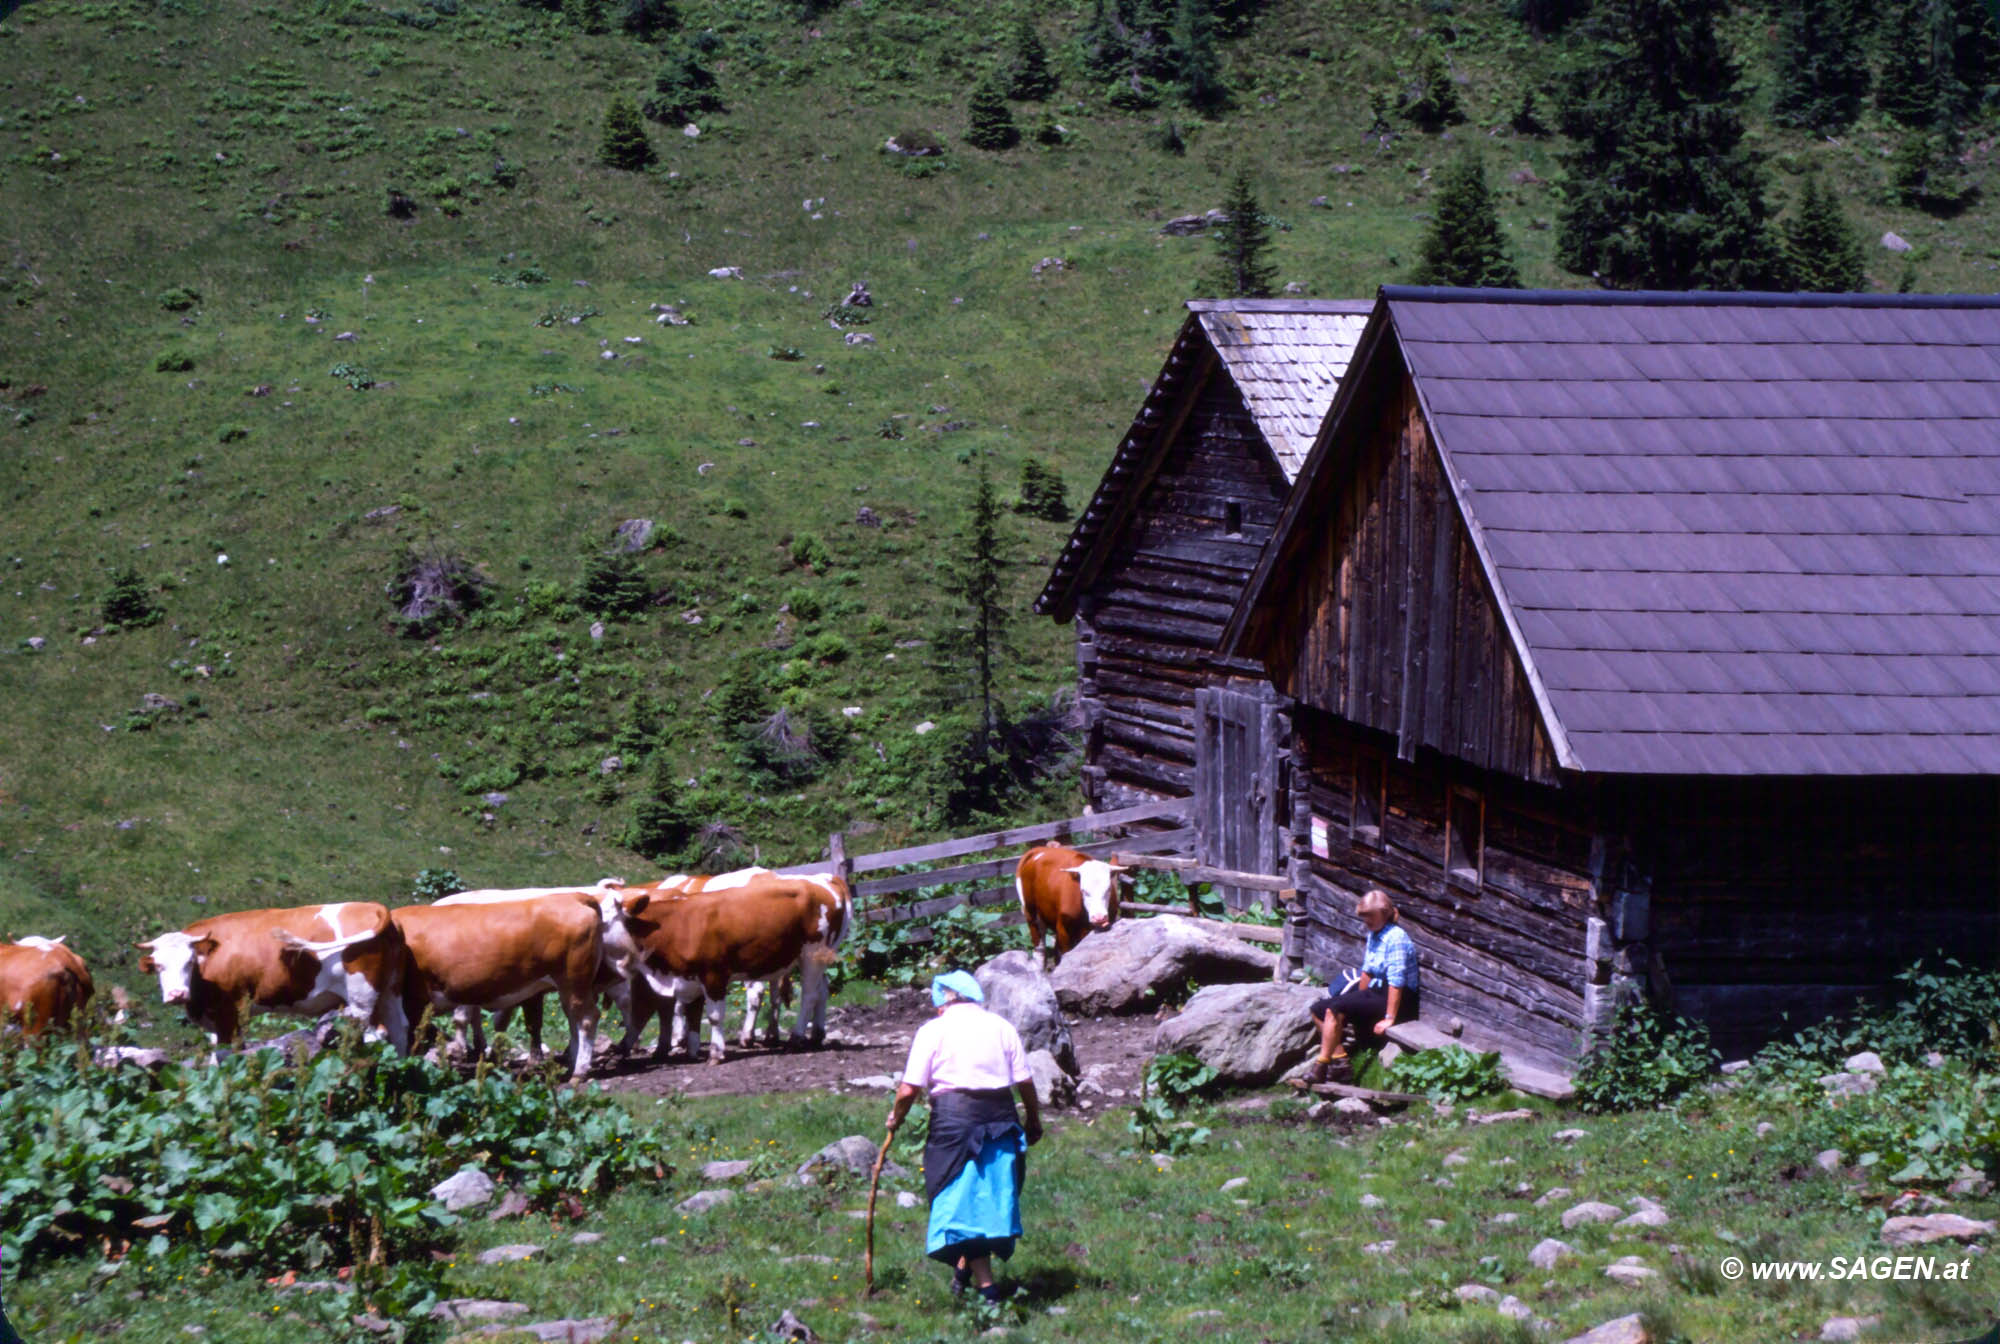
[
  {"x": 661, "y": 824},
  {"x": 805, "y": 604},
  {"x": 648, "y": 19},
  {"x": 1452, "y": 1073},
  {"x": 1029, "y": 77},
  {"x": 127, "y": 603},
  {"x": 911, "y": 952},
  {"x": 809, "y": 552},
  {"x": 179, "y": 299},
  {"x": 683, "y": 88},
  {"x": 624, "y": 145},
  {"x": 1647, "y": 1058},
  {"x": 1925, "y": 174},
  {"x": 259, "y": 1163},
  {"x": 991, "y": 123},
  {"x": 173, "y": 361},
  {"x": 613, "y": 584},
  {"x": 1042, "y": 493},
  {"x": 1433, "y": 102}
]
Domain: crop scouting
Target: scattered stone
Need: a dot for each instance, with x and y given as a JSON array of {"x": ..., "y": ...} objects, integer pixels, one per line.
[
  {"x": 1630, "y": 1270},
  {"x": 1320, "y": 1110},
  {"x": 1548, "y": 1253},
  {"x": 1456, "y": 1158},
  {"x": 1827, "y": 1159},
  {"x": 1968, "y": 1183},
  {"x": 1915, "y": 1201},
  {"x": 1388, "y": 1054},
  {"x": 704, "y": 1200},
  {"x": 1590, "y": 1211},
  {"x": 1184, "y": 226},
  {"x": 1560, "y": 1192},
  {"x": 459, "y": 1309},
  {"x": 468, "y": 1189},
  {"x": 854, "y": 1154},
  {"x": 1930, "y": 1227},
  {"x": 1319, "y": 203},
  {"x": 874, "y": 1082},
  {"x": 1765, "y": 1127},
  {"x": 1434, "y": 1223},
  {"x": 1476, "y": 1292},
  {"x": 1848, "y": 1084},
  {"x": 588, "y": 1331},
  {"x": 140, "y": 1057},
  {"x": 1570, "y": 1135},
  {"x": 610, "y": 765},
  {"x": 1524, "y": 176},
  {"x": 858, "y": 338},
  {"x": 1497, "y": 1117},
  {"x": 1019, "y": 990},
  {"x": 925, "y": 727},
  {"x": 1504, "y": 1219},
  {"x": 154, "y": 702},
  {"x": 1049, "y": 264},
  {"x": 808, "y": 1259},
  {"x": 790, "y": 1327},
  {"x": 1624, "y": 1330},
  {"x": 1514, "y": 1309},
  {"x": 1736, "y": 1066},
  {"x": 727, "y": 272},
  {"x": 1163, "y": 1162},
  {"x": 502, "y": 1255},
  {"x": 1353, "y": 1106},
  {"x": 1235, "y": 1183},
  {"x": 1055, "y": 1087},
  {"x": 512, "y": 1205},
  {"x": 1842, "y": 1328},
  {"x": 1895, "y": 242},
  {"x": 1372, "y": 1201},
  {"x": 36, "y": 643},
  {"x": 634, "y": 534},
  {"x": 1139, "y": 964},
  {"x": 906, "y": 1200},
  {"x": 1378, "y": 1248},
  {"x": 1934, "y": 1059},
  {"x": 1652, "y": 1217},
  {"x": 586, "y": 1239},
  {"x": 1865, "y": 1062}
]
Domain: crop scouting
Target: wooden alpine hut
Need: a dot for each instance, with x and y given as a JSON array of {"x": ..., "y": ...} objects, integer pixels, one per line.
[
  {"x": 1646, "y": 642},
  {"x": 1159, "y": 557}
]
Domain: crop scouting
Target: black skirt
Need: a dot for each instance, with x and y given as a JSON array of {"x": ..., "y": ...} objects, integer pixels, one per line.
[{"x": 962, "y": 1123}]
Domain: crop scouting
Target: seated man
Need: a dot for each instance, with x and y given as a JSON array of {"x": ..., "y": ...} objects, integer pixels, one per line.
[{"x": 1386, "y": 992}]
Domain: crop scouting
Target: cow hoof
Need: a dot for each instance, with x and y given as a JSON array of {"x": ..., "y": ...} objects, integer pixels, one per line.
[{"x": 818, "y": 1038}]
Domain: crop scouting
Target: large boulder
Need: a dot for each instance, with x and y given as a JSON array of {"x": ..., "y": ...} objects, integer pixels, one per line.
[
  {"x": 1055, "y": 1087},
  {"x": 1017, "y": 989},
  {"x": 1250, "y": 1034},
  {"x": 1139, "y": 964}
]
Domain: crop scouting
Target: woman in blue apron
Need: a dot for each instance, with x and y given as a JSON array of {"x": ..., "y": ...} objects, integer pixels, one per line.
[{"x": 972, "y": 1064}]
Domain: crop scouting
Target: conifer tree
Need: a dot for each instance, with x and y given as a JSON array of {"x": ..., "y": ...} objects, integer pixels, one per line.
[
  {"x": 1821, "y": 247},
  {"x": 625, "y": 144},
  {"x": 1545, "y": 17},
  {"x": 1464, "y": 245},
  {"x": 1822, "y": 64},
  {"x": 1105, "y": 50},
  {"x": 1664, "y": 194},
  {"x": 992, "y": 124},
  {"x": 1198, "y": 70},
  {"x": 661, "y": 824},
  {"x": 1434, "y": 104},
  {"x": 1042, "y": 492},
  {"x": 1243, "y": 269},
  {"x": 1925, "y": 172},
  {"x": 1029, "y": 77},
  {"x": 586, "y": 15},
  {"x": 1527, "y": 119},
  {"x": 969, "y": 651}
]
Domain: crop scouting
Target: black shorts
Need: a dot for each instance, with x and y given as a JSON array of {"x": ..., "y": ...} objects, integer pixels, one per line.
[{"x": 1365, "y": 1007}]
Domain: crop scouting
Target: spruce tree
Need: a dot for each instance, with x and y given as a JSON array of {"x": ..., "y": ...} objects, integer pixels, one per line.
[
  {"x": 1940, "y": 58},
  {"x": 1104, "y": 48},
  {"x": 1822, "y": 248},
  {"x": 1464, "y": 245},
  {"x": 1664, "y": 193},
  {"x": 1042, "y": 492},
  {"x": 1198, "y": 70},
  {"x": 661, "y": 824},
  {"x": 1545, "y": 17},
  {"x": 968, "y": 652},
  {"x": 625, "y": 144},
  {"x": 586, "y": 15},
  {"x": 1434, "y": 103},
  {"x": 1925, "y": 172},
  {"x": 128, "y": 604},
  {"x": 1822, "y": 64},
  {"x": 991, "y": 123},
  {"x": 1243, "y": 269},
  {"x": 1029, "y": 77}
]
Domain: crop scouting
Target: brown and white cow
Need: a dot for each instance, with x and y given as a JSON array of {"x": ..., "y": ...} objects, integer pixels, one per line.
[
  {"x": 1065, "y": 892},
  {"x": 43, "y": 986},
  {"x": 306, "y": 960},
  {"x": 618, "y": 960},
  {"x": 491, "y": 957},
  {"x": 760, "y": 930}
]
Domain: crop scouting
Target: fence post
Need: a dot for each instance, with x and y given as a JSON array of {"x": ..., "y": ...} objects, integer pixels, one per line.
[{"x": 836, "y": 853}]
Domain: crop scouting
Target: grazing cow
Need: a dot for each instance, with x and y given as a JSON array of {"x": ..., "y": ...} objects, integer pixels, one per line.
[
  {"x": 43, "y": 985},
  {"x": 618, "y": 964},
  {"x": 307, "y": 960},
  {"x": 495, "y": 956},
  {"x": 758, "y": 931},
  {"x": 1066, "y": 892}
]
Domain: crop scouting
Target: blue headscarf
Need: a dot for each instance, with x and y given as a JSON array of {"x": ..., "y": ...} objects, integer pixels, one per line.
[{"x": 956, "y": 982}]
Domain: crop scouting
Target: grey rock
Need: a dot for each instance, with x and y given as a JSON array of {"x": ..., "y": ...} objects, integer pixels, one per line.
[
  {"x": 1504, "y": 1219},
  {"x": 854, "y": 1155},
  {"x": 468, "y": 1189},
  {"x": 1054, "y": 1087},
  {"x": 1735, "y": 1065},
  {"x": 1895, "y": 242},
  {"x": 1590, "y": 1211},
  {"x": 1372, "y": 1201},
  {"x": 1921, "y": 1230},
  {"x": 1934, "y": 1059},
  {"x": 1914, "y": 1201},
  {"x": 1765, "y": 1127},
  {"x": 1556, "y": 1195},
  {"x": 1827, "y": 1159},
  {"x": 1139, "y": 964},
  {"x": 1378, "y": 1248},
  {"x": 1250, "y": 1034},
  {"x": 1235, "y": 1183},
  {"x": 460, "y": 1309},
  {"x": 1319, "y": 203},
  {"x": 502, "y": 1255},
  {"x": 1476, "y": 1292},
  {"x": 1548, "y": 1253},
  {"x": 1843, "y": 1328},
  {"x": 1624, "y": 1330},
  {"x": 1570, "y": 1135},
  {"x": 1352, "y": 1106},
  {"x": 876, "y": 1082},
  {"x": 140, "y": 1057},
  {"x": 1653, "y": 1217},
  {"x": 701, "y": 1201},
  {"x": 1514, "y": 1309},
  {"x": 37, "y": 643},
  {"x": 1865, "y": 1062},
  {"x": 1630, "y": 1270},
  {"x": 586, "y": 1239},
  {"x": 1456, "y": 1158},
  {"x": 1848, "y": 1084},
  {"x": 1498, "y": 1117},
  {"x": 1017, "y": 989},
  {"x": 906, "y": 1200},
  {"x": 1182, "y": 226},
  {"x": 725, "y": 1170},
  {"x": 791, "y": 1328},
  {"x": 587, "y": 1331},
  {"x": 634, "y": 534}
]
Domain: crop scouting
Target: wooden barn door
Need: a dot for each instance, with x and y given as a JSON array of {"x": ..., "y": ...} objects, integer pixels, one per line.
[{"x": 1237, "y": 785}]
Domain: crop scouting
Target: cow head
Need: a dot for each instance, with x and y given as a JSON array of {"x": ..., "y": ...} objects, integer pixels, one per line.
[
  {"x": 1098, "y": 881},
  {"x": 175, "y": 958}
]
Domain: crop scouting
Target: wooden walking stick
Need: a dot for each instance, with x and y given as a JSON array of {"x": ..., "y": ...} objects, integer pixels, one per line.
[{"x": 874, "y": 1184}]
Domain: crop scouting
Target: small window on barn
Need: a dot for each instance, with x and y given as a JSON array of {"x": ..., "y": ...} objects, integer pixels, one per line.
[
  {"x": 1465, "y": 838},
  {"x": 1232, "y": 519},
  {"x": 1370, "y": 780}
]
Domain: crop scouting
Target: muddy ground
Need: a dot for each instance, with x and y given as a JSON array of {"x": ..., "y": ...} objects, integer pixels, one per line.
[{"x": 867, "y": 1046}]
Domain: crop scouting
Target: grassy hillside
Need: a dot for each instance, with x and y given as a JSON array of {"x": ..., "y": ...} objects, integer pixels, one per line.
[{"x": 192, "y": 197}]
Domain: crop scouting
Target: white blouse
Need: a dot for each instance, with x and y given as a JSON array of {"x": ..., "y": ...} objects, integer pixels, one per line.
[{"x": 966, "y": 1048}]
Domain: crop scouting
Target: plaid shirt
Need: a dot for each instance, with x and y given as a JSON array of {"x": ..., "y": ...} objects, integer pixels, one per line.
[{"x": 1391, "y": 958}]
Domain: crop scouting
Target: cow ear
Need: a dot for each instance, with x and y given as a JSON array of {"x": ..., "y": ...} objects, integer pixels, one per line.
[
  {"x": 202, "y": 946},
  {"x": 638, "y": 903}
]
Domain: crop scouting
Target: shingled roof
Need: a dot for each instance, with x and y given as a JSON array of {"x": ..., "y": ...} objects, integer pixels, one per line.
[
  {"x": 1730, "y": 534},
  {"x": 1285, "y": 357}
]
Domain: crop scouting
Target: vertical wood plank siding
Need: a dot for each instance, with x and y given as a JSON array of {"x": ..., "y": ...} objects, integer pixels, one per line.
[
  {"x": 1155, "y": 611},
  {"x": 1507, "y": 956},
  {"x": 1391, "y": 624}
]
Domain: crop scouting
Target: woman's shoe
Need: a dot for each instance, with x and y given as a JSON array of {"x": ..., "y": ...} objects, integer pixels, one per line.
[{"x": 961, "y": 1279}]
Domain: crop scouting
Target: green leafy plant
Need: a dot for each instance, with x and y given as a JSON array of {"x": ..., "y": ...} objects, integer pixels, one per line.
[
  {"x": 353, "y": 375},
  {"x": 1171, "y": 1083},
  {"x": 431, "y": 884},
  {"x": 1647, "y": 1057},
  {"x": 1452, "y": 1073}
]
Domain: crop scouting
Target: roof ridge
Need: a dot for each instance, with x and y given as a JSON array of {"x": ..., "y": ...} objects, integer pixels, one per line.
[
  {"x": 1693, "y": 298},
  {"x": 1331, "y": 307}
]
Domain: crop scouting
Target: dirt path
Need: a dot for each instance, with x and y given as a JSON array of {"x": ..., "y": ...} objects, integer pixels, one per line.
[{"x": 865, "y": 1048}]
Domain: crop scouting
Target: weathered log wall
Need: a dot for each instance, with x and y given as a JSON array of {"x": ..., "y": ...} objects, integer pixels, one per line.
[{"x": 1148, "y": 622}]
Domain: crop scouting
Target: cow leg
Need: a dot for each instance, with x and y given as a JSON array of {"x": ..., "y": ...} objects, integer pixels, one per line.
[
  {"x": 717, "y": 996},
  {"x": 812, "y": 1003},
  {"x": 753, "y": 1000},
  {"x": 619, "y": 991},
  {"x": 531, "y": 1018},
  {"x": 581, "y": 1009},
  {"x": 395, "y": 1023},
  {"x": 686, "y": 1009}
]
